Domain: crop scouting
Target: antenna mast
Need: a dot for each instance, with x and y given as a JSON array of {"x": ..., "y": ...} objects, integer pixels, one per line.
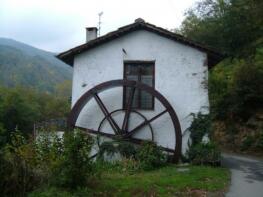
[{"x": 99, "y": 24}]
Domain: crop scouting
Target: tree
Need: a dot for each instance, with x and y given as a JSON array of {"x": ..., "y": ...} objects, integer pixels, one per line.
[{"x": 232, "y": 26}]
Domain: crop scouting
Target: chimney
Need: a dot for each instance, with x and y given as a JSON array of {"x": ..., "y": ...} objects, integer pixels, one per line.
[{"x": 91, "y": 33}]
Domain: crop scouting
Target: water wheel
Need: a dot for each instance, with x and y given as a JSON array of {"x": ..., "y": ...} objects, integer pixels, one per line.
[{"x": 122, "y": 130}]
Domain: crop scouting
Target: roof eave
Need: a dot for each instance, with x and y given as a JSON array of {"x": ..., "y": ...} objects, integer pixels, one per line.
[{"x": 68, "y": 56}]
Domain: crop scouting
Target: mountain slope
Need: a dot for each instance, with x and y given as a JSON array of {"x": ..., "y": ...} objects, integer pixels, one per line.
[{"x": 24, "y": 65}]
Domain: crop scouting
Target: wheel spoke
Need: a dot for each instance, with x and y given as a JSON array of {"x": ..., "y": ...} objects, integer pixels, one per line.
[
  {"x": 113, "y": 124},
  {"x": 128, "y": 107},
  {"x": 144, "y": 123},
  {"x": 112, "y": 136},
  {"x": 99, "y": 133}
]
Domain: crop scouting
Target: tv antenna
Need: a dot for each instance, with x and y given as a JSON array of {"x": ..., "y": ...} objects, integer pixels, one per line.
[{"x": 99, "y": 24}]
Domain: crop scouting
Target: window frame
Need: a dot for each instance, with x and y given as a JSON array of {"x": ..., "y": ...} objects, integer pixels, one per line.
[{"x": 143, "y": 62}]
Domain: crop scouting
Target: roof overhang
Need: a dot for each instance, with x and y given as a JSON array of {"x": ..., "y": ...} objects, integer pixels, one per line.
[{"x": 214, "y": 57}]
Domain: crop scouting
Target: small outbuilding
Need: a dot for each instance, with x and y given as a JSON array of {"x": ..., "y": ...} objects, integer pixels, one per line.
[{"x": 140, "y": 82}]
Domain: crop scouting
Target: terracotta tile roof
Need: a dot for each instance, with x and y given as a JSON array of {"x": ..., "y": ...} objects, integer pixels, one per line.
[{"x": 68, "y": 56}]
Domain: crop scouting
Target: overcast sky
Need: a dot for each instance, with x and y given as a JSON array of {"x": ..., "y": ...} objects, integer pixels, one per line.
[{"x": 57, "y": 25}]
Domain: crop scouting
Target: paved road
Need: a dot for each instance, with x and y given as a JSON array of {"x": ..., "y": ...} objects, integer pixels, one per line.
[{"x": 247, "y": 176}]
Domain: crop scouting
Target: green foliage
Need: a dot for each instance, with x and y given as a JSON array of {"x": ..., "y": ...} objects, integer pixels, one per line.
[
  {"x": 53, "y": 191},
  {"x": 64, "y": 89},
  {"x": 76, "y": 167},
  {"x": 146, "y": 156},
  {"x": 65, "y": 161},
  {"x": 233, "y": 26},
  {"x": 127, "y": 165},
  {"x": 163, "y": 182},
  {"x": 49, "y": 150},
  {"x": 235, "y": 88},
  {"x": 17, "y": 110},
  {"x": 200, "y": 127},
  {"x": 18, "y": 174},
  {"x": 199, "y": 152},
  {"x": 111, "y": 148},
  {"x": 204, "y": 154},
  {"x": 49, "y": 160},
  {"x": 3, "y": 135},
  {"x": 21, "y": 107},
  {"x": 150, "y": 156}
]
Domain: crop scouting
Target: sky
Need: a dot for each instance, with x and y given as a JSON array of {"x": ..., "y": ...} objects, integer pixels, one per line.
[{"x": 58, "y": 25}]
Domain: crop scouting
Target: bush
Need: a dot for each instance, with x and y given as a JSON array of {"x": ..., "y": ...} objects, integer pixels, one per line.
[
  {"x": 25, "y": 165},
  {"x": 200, "y": 127},
  {"x": 150, "y": 156},
  {"x": 204, "y": 154},
  {"x": 146, "y": 156},
  {"x": 112, "y": 148},
  {"x": 17, "y": 167},
  {"x": 75, "y": 167},
  {"x": 49, "y": 153},
  {"x": 201, "y": 153}
]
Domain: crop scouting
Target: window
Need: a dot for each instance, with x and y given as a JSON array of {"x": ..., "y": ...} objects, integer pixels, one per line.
[{"x": 142, "y": 71}]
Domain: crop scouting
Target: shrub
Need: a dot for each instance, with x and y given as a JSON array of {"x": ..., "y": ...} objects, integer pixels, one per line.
[
  {"x": 204, "y": 154},
  {"x": 24, "y": 165},
  {"x": 49, "y": 153},
  {"x": 146, "y": 156},
  {"x": 75, "y": 167},
  {"x": 150, "y": 156},
  {"x": 65, "y": 161},
  {"x": 110, "y": 148},
  {"x": 200, "y": 126},
  {"x": 201, "y": 153},
  {"x": 18, "y": 172}
]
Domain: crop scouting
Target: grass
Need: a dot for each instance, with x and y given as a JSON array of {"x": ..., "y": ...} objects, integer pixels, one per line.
[{"x": 166, "y": 181}]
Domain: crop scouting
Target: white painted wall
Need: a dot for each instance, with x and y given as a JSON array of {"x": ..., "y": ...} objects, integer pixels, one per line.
[{"x": 180, "y": 73}]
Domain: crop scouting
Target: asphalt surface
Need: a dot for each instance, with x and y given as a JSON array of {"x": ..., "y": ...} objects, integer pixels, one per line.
[{"x": 246, "y": 176}]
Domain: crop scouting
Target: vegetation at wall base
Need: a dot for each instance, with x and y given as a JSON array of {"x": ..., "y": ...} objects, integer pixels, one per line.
[
  {"x": 51, "y": 164},
  {"x": 202, "y": 152},
  {"x": 146, "y": 156}
]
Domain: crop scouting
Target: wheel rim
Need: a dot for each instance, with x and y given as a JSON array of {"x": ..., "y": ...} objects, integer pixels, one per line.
[{"x": 123, "y": 131}]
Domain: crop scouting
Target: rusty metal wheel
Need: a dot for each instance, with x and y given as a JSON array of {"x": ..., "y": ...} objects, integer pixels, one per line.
[{"x": 123, "y": 131}]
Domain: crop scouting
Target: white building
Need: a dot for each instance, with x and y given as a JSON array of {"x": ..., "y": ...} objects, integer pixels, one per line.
[{"x": 173, "y": 65}]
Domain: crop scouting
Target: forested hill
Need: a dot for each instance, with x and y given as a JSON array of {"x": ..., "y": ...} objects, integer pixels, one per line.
[{"x": 24, "y": 65}]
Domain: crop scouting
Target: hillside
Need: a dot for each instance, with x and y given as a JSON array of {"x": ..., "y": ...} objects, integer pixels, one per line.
[{"x": 24, "y": 65}]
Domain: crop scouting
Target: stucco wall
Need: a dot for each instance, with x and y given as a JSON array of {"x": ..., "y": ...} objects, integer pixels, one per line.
[{"x": 180, "y": 75}]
